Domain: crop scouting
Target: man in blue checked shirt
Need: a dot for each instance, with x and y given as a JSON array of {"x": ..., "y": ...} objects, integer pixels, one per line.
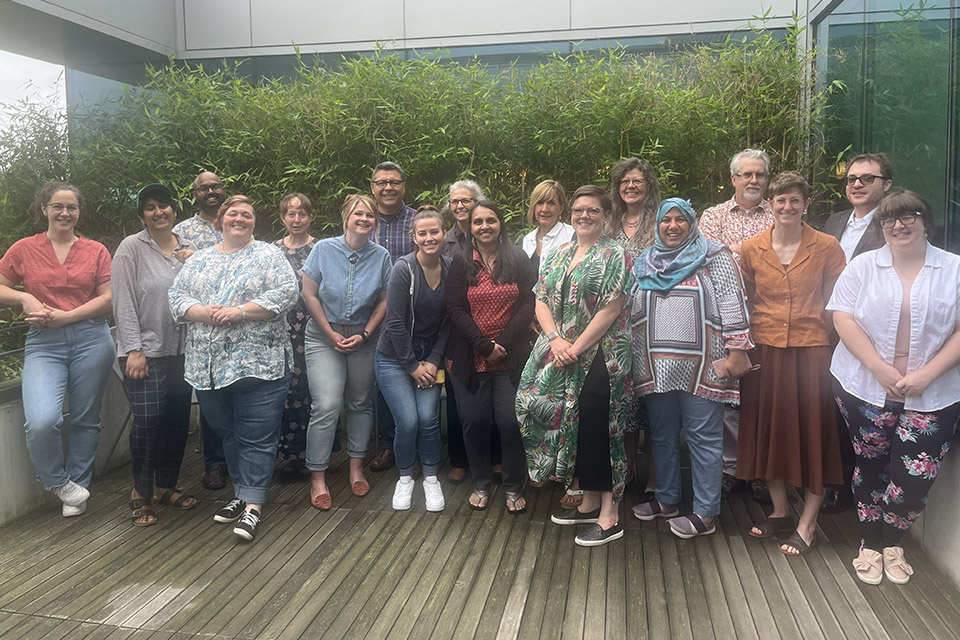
[{"x": 388, "y": 185}]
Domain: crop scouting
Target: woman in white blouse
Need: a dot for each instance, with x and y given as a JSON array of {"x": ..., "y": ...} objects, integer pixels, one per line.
[
  {"x": 896, "y": 377},
  {"x": 548, "y": 207}
]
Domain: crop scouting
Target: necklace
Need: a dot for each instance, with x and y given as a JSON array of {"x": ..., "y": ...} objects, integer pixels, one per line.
[{"x": 631, "y": 225}]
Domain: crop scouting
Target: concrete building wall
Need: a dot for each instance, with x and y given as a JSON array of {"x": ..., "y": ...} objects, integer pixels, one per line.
[{"x": 146, "y": 23}]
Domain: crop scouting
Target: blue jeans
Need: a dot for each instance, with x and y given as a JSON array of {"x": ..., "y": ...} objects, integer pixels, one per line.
[
  {"x": 416, "y": 413},
  {"x": 246, "y": 416},
  {"x": 702, "y": 424},
  {"x": 75, "y": 360},
  {"x": 338, "y": 381}
]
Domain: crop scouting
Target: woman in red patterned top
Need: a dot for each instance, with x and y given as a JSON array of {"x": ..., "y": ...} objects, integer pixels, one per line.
[
  {"x": 490, "y": 304},
  {"x": 65, "y": 296}
]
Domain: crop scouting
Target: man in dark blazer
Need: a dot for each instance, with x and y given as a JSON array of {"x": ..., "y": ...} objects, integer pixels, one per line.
[{"x": 869, "y": 177}]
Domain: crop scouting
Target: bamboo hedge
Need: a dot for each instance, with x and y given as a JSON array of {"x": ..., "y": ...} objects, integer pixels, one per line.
[{"x": 569, "y": 118}]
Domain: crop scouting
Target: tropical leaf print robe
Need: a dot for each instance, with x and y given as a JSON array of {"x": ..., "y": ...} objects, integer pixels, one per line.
[{"x": 548, "y": 398}]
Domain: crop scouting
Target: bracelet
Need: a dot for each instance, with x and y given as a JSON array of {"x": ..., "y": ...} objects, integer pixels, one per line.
[
  {"x": 243, "y": 313},
  {"x": 365, "y": 335}
]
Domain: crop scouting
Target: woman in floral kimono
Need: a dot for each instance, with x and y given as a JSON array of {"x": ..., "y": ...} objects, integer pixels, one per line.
[{"x": 572, "y": 404}]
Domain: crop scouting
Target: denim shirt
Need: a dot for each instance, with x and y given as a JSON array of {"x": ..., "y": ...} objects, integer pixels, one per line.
[
  {"x": 349, "y": 282},
  {"x": 217, "y": 357}
]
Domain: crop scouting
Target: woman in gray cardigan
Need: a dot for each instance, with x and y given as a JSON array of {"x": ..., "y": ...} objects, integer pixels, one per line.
[
  {"x": 409, "y": 357},
  {"x": 150, "y": 348}
]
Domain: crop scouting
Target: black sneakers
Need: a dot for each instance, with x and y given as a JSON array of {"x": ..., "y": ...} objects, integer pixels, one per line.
[
  {"x": 597, "y": 535},
  {"x": 246, "y": 527},
  {"x": 573, "y": 516},
  {"x": 232, "y": 511}
]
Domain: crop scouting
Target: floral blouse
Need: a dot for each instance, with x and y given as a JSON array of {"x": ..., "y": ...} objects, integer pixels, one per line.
[
  {"x": 548, "y": 398},
  {"x": 219, "y": 356}
]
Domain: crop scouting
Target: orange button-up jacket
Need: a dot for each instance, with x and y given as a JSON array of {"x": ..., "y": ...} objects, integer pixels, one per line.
[{"x": 786, "y": 303}]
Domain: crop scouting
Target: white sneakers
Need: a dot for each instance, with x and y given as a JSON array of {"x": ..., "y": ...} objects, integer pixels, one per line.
[
  {"x": 74, "y": 498},
  {"x": 432, "y": 492},
  {"x": 403, "y": 494}
]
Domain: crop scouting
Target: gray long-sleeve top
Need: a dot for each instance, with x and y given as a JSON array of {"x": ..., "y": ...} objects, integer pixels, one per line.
[{"x": 142, "y": 276}]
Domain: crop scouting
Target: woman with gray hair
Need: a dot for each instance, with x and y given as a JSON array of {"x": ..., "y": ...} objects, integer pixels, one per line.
[{"x": 464, "y": 194}]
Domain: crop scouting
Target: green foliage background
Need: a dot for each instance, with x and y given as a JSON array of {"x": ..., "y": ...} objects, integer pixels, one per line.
[{"x": 569, "y": 118}]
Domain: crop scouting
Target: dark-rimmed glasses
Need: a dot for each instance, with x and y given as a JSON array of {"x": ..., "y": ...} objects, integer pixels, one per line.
[{"x": 906, "y": 219}]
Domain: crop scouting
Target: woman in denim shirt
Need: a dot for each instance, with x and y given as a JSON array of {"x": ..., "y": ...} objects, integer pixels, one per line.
[{"x": 345, "y": 288}]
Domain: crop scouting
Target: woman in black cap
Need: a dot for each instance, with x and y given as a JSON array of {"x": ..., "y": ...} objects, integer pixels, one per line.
[{"x": 150, "y": 348}]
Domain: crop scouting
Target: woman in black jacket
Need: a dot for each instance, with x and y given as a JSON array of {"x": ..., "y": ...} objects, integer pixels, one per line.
[
  {"x": 490, "y": 304},
  {"x": 409, "y": 357}
]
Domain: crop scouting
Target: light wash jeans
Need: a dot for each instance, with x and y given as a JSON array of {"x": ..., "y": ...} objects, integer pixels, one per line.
[
  {"x": 702, "y": 424},
  {"x": 75, "y": 360},
  {"x": 338, "y": 381},
  {"x": 416, "y": 413},
  {"x": 246, "y": 416}
]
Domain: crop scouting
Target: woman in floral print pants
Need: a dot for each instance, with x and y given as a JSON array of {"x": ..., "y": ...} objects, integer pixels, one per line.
[{"x": 896, "y": 376}]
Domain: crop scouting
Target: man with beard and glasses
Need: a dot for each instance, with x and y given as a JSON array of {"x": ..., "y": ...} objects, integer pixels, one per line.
[
  {"x": 208, "y": 195},
  {"x": 745, "y": 215}
]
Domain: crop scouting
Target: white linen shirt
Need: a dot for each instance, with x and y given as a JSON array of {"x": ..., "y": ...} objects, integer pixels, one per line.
[
  {"x": 561, "y": 233},
  {"x": 870, "y": 290},
  {"x": 853, "y": 231}
]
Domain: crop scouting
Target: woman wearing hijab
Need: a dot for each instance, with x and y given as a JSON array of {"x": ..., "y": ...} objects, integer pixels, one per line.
[{"x": 691, "y": 334}]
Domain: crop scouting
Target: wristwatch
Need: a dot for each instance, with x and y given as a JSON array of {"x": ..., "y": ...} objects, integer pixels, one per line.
[{"x": 552, "y": 335}]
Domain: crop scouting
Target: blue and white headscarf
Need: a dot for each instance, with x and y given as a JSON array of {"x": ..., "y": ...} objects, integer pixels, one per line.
[{"x": 660, "y": 268}]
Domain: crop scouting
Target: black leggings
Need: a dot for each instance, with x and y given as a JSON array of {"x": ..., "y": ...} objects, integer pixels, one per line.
[{"x": 593, "y": 439}]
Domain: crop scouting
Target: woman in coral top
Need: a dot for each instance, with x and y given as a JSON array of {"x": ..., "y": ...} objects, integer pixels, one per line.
[
  {"x": 787, "y": 419},
  {"x": 66, "y": 293}
]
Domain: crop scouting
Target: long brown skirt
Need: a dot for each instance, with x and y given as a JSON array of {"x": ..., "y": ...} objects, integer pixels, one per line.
[{"x": 788, "y": 427}]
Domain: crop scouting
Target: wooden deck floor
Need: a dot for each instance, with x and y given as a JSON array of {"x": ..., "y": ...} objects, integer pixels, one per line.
[{"x": 364, "y": 571}]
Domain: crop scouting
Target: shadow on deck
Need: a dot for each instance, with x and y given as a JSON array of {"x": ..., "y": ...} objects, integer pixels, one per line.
[{"x": 362, "y": 570}]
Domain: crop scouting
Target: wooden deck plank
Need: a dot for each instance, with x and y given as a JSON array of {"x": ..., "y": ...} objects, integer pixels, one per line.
[
  {"x": 409, "y": 560},
  {"x": 446, "y": 546},
  {"x": 289, "y": 611},
  {"x": 763, "y": 619},
  {"x": 658, "y": 619},
  {"x": 518, "y": 597},
  {"x": 495, "y": 572},
  {"x": 201, "y": 589},
  {"x": 535, "y": 601},
  {"x": 576, "y": 601},
  {"x": 361, "y": 586},
  {"x": 434, "y": 595},
  {"x": 635, "y": 600},
  {"x": 770, "y": 577},
  {"x": 674, "y": 581},
  {"x": 449, "y": 612},
  {"x": 615, "y": 627},
  {"x": 363, "y": 570}
]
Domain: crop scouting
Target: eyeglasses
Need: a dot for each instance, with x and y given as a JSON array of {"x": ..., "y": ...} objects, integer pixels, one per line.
[
  {"x": 380, "y": 184},
  {"x": 58, "y": 207},
  {"x": 906, "y": 219},
  {"x": 461, "y": 201},
  {"x": 207, "y": 188},
  {"x": 865, "y": 179},
  {"x": 750, "y": 175},
  {"x": 633, "y": 182},
  {"x": 582, "y": 211}
]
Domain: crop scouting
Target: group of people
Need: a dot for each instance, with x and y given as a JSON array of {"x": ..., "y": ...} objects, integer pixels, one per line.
[{"x": 785, "y": 355}]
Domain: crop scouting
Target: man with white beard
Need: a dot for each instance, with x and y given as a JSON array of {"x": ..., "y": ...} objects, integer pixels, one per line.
[{"x": 745, "y": 215}]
